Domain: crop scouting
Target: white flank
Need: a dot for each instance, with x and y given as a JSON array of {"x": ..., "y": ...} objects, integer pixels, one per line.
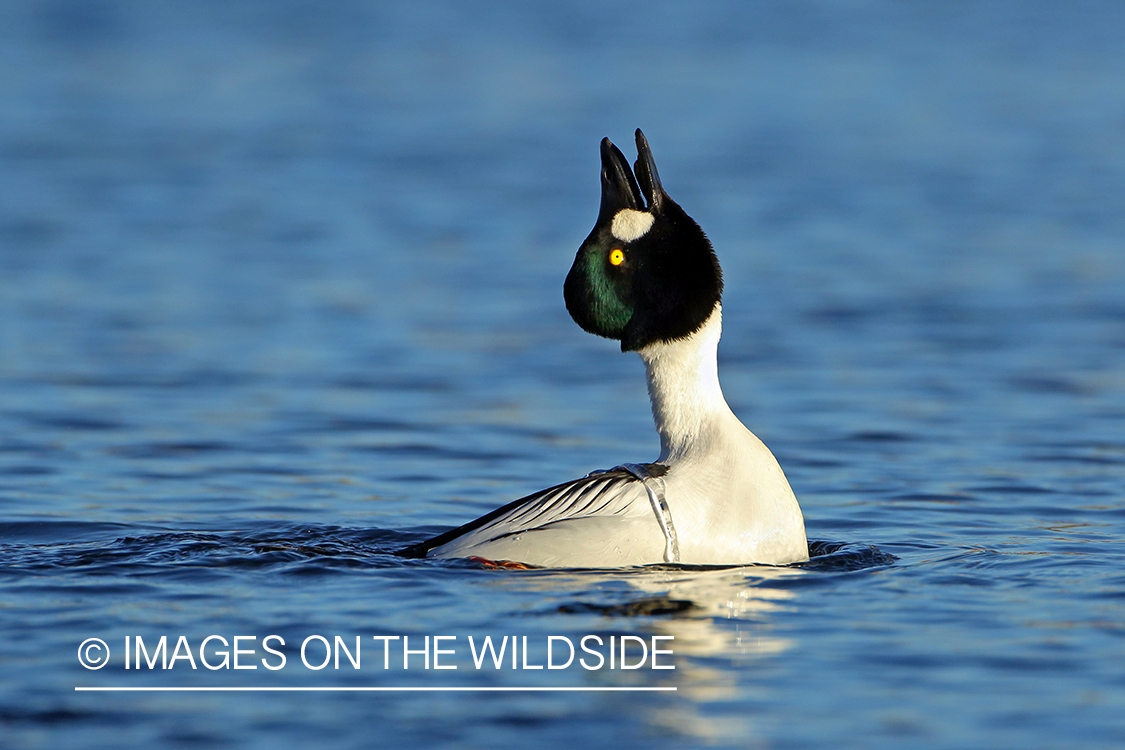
[{"x": 629, "y": 225}]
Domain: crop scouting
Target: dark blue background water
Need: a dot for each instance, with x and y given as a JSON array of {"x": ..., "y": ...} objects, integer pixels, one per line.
[{"x": 280, "y": 290}]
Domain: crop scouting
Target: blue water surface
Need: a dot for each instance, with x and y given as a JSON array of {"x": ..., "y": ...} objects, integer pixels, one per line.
[{"x": 280, "y": 292}]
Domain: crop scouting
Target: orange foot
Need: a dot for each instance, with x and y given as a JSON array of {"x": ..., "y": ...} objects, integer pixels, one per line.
[{"x": 508, "y": 564}]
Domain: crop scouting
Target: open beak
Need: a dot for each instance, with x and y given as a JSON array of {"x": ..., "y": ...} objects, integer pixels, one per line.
[{"x": 620, "y": 188}]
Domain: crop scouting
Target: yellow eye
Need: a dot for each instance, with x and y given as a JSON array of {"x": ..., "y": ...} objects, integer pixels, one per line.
[{"x": 616, "y": 256}]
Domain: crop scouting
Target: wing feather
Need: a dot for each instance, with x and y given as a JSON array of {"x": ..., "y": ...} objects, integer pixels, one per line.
[{"x": 607, "y": 494}]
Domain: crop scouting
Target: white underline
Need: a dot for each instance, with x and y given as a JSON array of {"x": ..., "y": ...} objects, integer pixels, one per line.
[{"x": 439, "y": 689}]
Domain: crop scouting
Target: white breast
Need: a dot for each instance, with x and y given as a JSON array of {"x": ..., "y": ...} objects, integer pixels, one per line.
[{"x": 729, "y": 499}]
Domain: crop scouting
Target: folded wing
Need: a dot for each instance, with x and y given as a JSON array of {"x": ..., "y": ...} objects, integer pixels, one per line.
[{"x": 601, "y": 520}]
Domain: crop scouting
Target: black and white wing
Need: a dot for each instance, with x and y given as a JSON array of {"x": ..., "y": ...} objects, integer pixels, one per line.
[{"x": 604, "y": 519}]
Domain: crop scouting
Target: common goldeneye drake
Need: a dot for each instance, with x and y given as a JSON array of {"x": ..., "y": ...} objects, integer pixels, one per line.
[{"x": 648, "y": 277}]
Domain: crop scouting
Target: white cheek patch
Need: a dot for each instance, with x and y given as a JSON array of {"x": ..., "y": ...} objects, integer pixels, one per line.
[{"x": 629, "y": 225}]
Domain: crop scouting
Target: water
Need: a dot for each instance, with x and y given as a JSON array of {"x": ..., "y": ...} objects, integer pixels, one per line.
[{"x": 280, "y": 291}]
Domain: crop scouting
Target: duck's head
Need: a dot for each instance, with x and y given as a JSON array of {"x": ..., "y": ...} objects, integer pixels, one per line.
[{"x": 647, "y": 272}]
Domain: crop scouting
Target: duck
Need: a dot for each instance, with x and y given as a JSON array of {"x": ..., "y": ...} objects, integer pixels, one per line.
[{"x": 648, "y": 277}]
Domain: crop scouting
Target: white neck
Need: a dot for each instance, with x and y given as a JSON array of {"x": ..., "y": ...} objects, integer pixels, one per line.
[{"x": 683, "y": 385}]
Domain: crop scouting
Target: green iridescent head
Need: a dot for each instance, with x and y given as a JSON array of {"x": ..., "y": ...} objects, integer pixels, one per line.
[{"x": 647, "y": 271}]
